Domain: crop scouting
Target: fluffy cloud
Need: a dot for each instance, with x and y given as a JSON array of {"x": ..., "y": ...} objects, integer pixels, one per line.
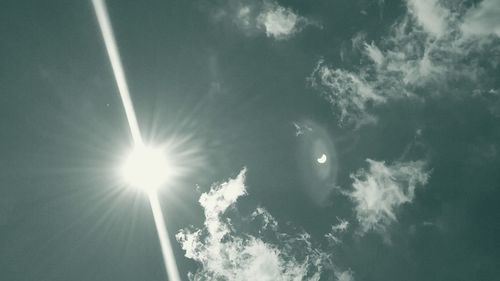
[
  {"x": 280, "y": 22},
  {"x": 225, "y": 253},
  {"x": 435, "y": 44},
  {"x": 379, "y": 191},
  {"x": 266, "y": 16}
]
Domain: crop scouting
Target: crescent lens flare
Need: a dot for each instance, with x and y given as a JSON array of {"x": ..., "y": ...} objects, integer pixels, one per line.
[
  {"x": 322, "y": 159},
  {"x": 146, "y": 168}
]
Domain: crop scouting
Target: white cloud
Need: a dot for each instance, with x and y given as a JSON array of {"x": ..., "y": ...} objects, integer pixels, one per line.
[
  {"x": 280, "y": 22},
  {"x": 483, "y": 19},
  {"x": 421, "y": 56},
  {"x": 333, "y": 236},
  {"x": 225, "y": 253},
  {"x": 341, "y": 226},
  {"x": 430, "y": 15},
  {"x": 301, "y": 128},
  {"x": 380, "y": 191},
  {"x": 345, "y": 276},
  {"x": 358, "y": 40},
  {"x": 374, "y": 53},
  {"x": 218, "y": 200},
  {"x": 349, "y": 93},
  {"x": 262, "y": 16},
  {"x": 435, "y": 51},
  {"x": 244, "y": 16}
]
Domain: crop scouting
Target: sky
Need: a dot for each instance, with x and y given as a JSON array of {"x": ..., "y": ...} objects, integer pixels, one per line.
[{"x": 312, "y": 140}]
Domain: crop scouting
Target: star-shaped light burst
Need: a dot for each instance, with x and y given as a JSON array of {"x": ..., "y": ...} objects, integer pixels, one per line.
[{"x": 146, "y": 167}]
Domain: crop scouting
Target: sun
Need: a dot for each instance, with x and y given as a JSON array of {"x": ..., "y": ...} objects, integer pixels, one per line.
[{"x": 146, "y": 168}]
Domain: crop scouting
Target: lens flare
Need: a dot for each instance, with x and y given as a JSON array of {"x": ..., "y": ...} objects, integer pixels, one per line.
[
  {"x": 114, "y": 57},
  {"x": 166, "y": 247},
  {"x": 145, "y": 167}
]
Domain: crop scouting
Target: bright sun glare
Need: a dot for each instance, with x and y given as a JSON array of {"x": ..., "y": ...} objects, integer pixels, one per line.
[{"x": 146, "y": 168}]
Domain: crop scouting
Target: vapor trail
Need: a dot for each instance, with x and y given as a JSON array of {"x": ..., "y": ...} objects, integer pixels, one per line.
[{"x": 114, "y": 57}]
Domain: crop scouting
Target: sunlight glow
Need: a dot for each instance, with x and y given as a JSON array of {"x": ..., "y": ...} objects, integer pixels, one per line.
[{"x": 146, "y": 168}]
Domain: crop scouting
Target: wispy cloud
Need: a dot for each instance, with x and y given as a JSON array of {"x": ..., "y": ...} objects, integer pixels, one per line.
[
  {"x": 224, "y": 252},
  {"x": 349, "y": 93},
  {"x": 435, "y": 44},
  {"x": 300, "y": 129},
  {"x": 379, "y": 191},
  {"x": 333, "y": 237},
  {"x": 374, "y": 53},
  {"x": 345, "y": 276}
]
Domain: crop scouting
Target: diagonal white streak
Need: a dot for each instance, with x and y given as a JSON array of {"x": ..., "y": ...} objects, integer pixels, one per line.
[
  {"x": 166, "y": 248},
  {"x": 114, "y": 57}
]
